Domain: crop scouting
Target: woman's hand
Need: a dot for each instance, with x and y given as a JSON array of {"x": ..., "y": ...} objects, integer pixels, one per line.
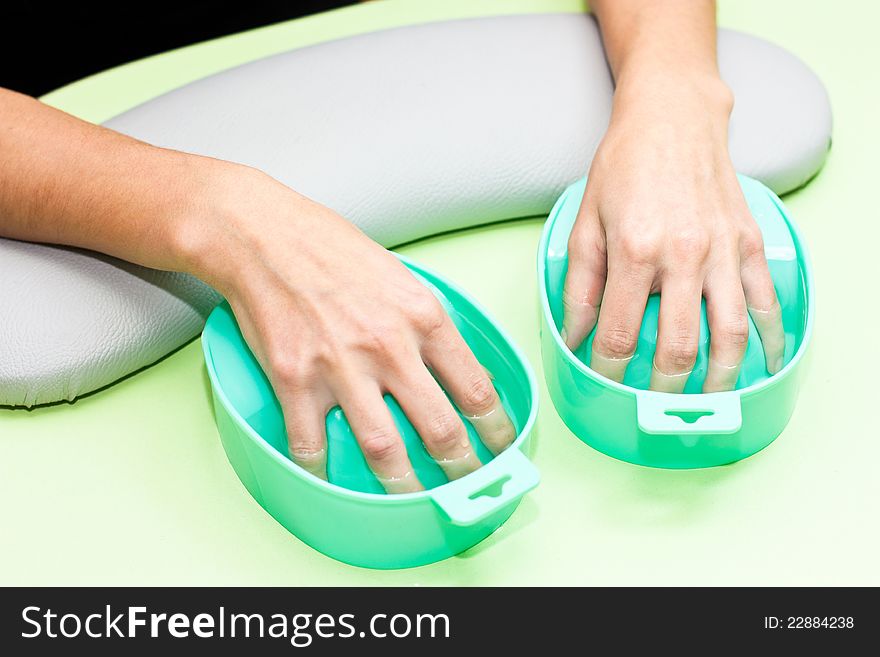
[
  {"x": 336, "y": 319},
  {"x": 663, "y": 212},
  {"x": 332, "y": 317}
]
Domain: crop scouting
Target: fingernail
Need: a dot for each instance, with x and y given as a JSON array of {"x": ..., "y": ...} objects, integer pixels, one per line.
[
  {"x": 406, "y": 483},
  {"x": 310, "y": 460},
  {"x": 495, "y": 429},
  {"x": 564, "y": 335},
  {"x": 720, "y": 378},
  {"x": 611, "y": 368},
  {"x": 456, "y": 468},
  {"x": 776, "y": 366},
  {"x": 673, "y": 383}
]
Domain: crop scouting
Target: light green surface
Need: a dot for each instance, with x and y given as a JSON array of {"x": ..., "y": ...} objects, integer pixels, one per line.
[{"x": 130, "y": 486}]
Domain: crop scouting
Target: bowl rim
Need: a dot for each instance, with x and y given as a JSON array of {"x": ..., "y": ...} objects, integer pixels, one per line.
[
  {"x": 562, "y": 349},
  {"x": 375, "y": 498}
]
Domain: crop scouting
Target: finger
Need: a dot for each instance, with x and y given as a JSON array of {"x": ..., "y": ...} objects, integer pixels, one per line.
[
  {"x": 304, "y": 403},
  {"x": 584, "y": 281},
  {"x": 728, "y": 330},
  {"x": 470, "y": 386},
  {"x": 304, "y": 417},
  {"x": 623, "y": 305},
  {"x": 434, "y": 418},
  {"x": 764, "y": 309},
  {"x": 377, "y": 435},
  {"x": 678, "y": 333}
]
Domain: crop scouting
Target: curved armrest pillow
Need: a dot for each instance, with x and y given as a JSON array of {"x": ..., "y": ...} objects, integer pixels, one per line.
[{"x": 406, "y": 132}]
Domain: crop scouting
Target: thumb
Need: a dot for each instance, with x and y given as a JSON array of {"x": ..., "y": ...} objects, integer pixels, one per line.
[{"x": 585, "y": 279}]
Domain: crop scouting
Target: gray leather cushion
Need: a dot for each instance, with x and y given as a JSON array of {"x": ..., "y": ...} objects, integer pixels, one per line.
[{"x": 407, "y": 132}]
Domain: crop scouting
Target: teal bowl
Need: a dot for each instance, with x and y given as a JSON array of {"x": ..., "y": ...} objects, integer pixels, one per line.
[
  {"x": 349, "y": 517},
  {"x": 691, "y": 430}
]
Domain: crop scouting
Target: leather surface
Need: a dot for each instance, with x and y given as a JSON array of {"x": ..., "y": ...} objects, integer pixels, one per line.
[{"x": 407, "y": 133}]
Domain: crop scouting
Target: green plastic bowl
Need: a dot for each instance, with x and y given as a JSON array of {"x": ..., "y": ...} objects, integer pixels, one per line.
[
  {"x": 691, "y": 430},
  {"x": 350, "y": 518}
]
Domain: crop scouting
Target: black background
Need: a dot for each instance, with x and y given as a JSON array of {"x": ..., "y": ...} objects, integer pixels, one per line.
[
  {"x": 540, "y": 622},
  {"x": 44, "y": 46}
]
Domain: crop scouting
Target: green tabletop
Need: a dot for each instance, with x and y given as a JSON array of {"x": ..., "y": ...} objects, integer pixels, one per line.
[{"x": 130, "y": 485}]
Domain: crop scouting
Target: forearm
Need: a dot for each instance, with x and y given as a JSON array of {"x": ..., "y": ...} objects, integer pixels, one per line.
[
  {"x": 663, "y": 53},
  {"x": 66, "y": 181}
]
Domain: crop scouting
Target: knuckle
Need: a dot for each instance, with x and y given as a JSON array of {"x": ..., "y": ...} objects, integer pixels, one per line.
[
  {"x": 306, "y": 450},
  {"x": 380, "y": 444},
  {"x": 690, "y": 243},
  {"x": 736, "y": 331},
  {"x": 445, "y": 430},
  {"x": 427, "y": 313},
  {"x": 290, "y": 369},
  {"x": 617, "y": 342},
  {"x": 381, "y": 340},
  {"x": 680, "y": 352},
  {"x": 479, "y": 395},
  {"x": 640, "y": 247},
  {"x": 572, "y": 299},
  {"x": 752, "y": 241}
]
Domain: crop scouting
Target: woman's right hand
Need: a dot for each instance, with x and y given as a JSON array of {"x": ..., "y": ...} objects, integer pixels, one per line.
[{"x": 335, "y": 319}]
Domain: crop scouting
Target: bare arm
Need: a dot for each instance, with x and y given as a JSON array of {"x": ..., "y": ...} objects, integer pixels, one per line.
[
  {"x": 66, "y": 181},
  {"x": 663, "y": 211},
  {"x": 310, "y": 320},
  {"x": 646, "y": 38}
]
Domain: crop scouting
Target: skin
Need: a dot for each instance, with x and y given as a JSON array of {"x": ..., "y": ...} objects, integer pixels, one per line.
[
  {"x": 308, "y": 313},
  {"x": 662, "y": 211}
]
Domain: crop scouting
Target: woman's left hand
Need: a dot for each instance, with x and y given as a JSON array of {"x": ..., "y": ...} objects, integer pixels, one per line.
[{"x": 663, "y": 212}]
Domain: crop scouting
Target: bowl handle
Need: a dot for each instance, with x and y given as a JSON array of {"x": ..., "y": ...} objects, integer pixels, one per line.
[
  {"x": 473, "y": 498},
  {"x": 666, "y": 413}
]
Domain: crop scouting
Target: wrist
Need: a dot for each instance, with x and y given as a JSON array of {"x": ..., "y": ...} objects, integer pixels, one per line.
[
  {"x": 215, "y": 222},
  {"x": 673, "y": 91}
]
